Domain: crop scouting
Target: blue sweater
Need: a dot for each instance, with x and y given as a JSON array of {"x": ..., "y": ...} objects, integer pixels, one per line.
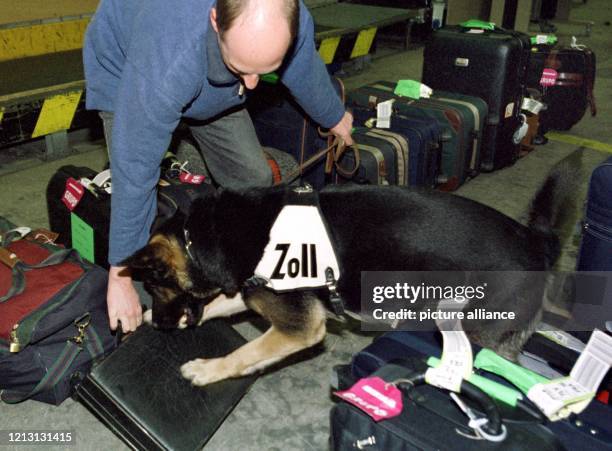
[{"x": 152, "y": 62}]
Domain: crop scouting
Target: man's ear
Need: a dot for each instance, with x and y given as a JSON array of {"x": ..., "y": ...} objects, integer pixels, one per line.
[{"x": 213, "y": 19}]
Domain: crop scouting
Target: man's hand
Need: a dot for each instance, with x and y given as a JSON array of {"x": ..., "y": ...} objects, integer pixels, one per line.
[
  {"x": 122, "y": 300},
  {"x": 344, "y": 128}
]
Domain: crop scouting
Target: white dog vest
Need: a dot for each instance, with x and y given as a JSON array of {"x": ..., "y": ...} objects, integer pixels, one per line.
[{"x": 299, "y": 251}]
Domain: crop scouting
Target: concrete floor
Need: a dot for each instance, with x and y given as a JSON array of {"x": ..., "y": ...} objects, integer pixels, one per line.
[{"x": 287, "y": 409}]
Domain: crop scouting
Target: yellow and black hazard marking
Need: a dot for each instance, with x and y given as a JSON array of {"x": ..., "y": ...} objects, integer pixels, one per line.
[
  {"x": 347, "y": 46},
  {"x": 579, "y": 141},
  {"x": 26, "y": 40},
  {"x": 33, "y": 118}
]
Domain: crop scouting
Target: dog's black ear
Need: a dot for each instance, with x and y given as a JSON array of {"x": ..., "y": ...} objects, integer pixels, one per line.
[{"x": 155, "y": 259}]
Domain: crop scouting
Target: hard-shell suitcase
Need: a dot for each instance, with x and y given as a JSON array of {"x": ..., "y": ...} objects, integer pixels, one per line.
[
  {"x": 479, "y": 109},
  {"x": 565, "y": 78},
  {"x": 423, "y": 141},
  {"x": 490, "y": 64},
  {"x": 84, "y": 224},
  {"x": 596, "y": 246},
  {"x": 456, "y": 150},
  {"x": 88, "y": 221},
  {"x": 281, "y": 123},
  {"x": 384, "y": 158},
  {"x": 151, "y": 406}
]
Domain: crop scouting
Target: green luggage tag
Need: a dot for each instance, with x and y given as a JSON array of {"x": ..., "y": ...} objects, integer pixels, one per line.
[
  {"x": 494, "y": 389},
  {"x": 478, "y": 24},
  {"x": 521, "y": 377},
  {"x": 540, "y": 39},
  {"x": 412, "y": 89}
]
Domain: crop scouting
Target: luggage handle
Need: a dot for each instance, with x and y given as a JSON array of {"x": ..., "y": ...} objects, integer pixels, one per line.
[
  {"x": 334, "y": 153},
  {"x": 493, "y": 427}
]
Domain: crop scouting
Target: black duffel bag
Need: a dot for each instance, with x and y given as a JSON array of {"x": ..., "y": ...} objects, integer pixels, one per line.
[{"x": 53, "y": 320}]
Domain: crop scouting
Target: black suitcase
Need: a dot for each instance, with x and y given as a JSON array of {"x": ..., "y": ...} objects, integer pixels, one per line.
[
  {"x": 86, "y": 227},
  {"x": 430, "y": 420},
  {"x": 139, "y": 394},
  {"x": 490, "y": 64},
  {"x": 589, "y": 430},
  {"x": 569, "y": 92},
  {"x": 88, "y": 222}
]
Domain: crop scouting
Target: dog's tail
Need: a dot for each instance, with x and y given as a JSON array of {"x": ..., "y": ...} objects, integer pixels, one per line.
[{"x": 553, "y": 209}]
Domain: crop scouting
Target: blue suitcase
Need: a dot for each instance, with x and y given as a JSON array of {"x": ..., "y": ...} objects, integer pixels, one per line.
[
  {"x": 596, "y": 246},
  {"x": 423, "y": 141},
  {"x": 590, "y": 430}
]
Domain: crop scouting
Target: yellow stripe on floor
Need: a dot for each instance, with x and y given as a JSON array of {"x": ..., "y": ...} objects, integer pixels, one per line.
[
  {"x": 1, "y": 113},
  {"x": 57, "y": 113},
  {"x": 578, "y": 141},
  {"x": 34, "y": 40},
  {"x": 363, "y": 42}
]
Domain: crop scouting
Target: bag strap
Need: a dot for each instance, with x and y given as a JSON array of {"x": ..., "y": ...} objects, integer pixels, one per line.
[{"x": 19, "y": 268}]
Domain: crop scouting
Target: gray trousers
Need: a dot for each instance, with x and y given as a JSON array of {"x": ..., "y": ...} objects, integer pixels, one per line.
[{"x": 229, "y": 147}]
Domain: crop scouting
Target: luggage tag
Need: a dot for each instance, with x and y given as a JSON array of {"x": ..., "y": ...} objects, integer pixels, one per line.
[
  {"x": 413, "y": 89},
  {"x": 541, "y": 39},
  {"x": 456, "y": 363},
  {"x": 560, "y": 398},
  {"x": 378, "y": 399},
  {"x": 192, "y": 179},
  {"x": 73, "y": 193},
  {"x": 384, "y": 110},
  {"x": 549, "y": 77}
]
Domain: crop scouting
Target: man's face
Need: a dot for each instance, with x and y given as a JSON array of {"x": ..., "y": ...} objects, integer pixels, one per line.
[{"x": 254, "y": 45}]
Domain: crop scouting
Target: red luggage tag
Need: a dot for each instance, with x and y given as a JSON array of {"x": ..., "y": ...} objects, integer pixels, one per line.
[
  {"x": 73, "y": 193},
  {"x": 377, "y": 398},
  {"x": 549, "y": 77},
  {"x": 192, "y": 179}
]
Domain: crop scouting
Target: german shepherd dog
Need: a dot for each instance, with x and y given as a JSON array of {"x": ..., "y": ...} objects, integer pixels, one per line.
[{"x": 196, "y": 266}]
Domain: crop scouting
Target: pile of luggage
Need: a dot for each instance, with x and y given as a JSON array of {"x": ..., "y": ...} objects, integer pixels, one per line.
[{"x": 494, "y": 94}]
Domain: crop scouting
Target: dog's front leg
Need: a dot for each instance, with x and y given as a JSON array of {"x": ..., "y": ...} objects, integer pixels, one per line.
[
  {"x": 222, "y": 306},
  {"x": 297, "y": 322},
  {"x": 265, "y": 350}
]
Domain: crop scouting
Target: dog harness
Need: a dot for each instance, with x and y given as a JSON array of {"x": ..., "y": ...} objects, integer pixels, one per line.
[{"x": 300, "y": 254}]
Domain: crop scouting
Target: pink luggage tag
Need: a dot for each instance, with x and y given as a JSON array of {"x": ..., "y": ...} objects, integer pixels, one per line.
[
  {"x": 377, "y": 398},
  {"x": 73, "y": 193},
  {"x": 192, "y": 179},
  {"x": 549, "y": 77}
]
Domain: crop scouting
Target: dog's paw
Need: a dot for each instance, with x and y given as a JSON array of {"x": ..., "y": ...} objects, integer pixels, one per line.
[
  {"x": 202, "y": 372},
  {"x": 147, "y": 317}
]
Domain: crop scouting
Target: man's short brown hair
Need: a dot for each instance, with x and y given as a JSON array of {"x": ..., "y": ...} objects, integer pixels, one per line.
[{"x": 229, "y": 10}]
